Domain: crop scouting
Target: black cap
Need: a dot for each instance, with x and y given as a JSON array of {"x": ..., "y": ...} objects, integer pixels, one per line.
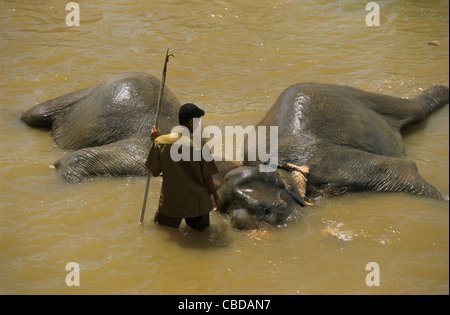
[{"x": 189, "y": 111}]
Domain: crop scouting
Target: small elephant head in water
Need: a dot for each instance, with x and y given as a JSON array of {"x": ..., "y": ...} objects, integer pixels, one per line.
[{"x": 255, "y": 199}]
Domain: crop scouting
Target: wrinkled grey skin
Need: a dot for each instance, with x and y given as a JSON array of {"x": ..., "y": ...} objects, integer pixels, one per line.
[
  {"x": 349, "y": 138},
  {"x": 258, "y": 200},
  {"x": 108, "y": 125}
]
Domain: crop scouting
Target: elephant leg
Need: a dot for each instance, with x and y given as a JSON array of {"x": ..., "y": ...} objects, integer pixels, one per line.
[
  {"x": 42, "y": 115},
  {"x": 399, "y": 112},
  {"x": 429, "y": 101},
  {"x": 363, "y": 171},
  {"x": 126, "y": 157}
]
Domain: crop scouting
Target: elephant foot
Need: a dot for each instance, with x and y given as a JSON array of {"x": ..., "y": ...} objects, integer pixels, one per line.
[{"x": 43, "y": 115}]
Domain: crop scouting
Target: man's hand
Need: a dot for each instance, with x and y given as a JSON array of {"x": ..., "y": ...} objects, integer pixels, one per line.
[
  {"x": 212, "y": 189},
  {"x": 217, "y": 202},
  {"x": 155, "y": 133}
]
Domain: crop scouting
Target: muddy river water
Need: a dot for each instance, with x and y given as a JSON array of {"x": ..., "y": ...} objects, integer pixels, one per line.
[{"x": 232, "y": 58}]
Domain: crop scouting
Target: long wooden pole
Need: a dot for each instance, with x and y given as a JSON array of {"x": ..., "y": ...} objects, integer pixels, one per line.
[{"x": 158, "y": 111}]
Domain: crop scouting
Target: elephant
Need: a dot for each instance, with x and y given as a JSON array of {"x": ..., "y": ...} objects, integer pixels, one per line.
[
  {"x": 107, "y": 125},
  {"x": 332, "y": 140},
  {"x": 261, "y": 200}
]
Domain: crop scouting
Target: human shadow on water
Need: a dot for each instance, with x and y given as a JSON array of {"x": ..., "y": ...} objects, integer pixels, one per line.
[{"x": 215, "y": 236}]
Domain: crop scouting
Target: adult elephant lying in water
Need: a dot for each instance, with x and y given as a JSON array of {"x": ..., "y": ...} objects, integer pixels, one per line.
[
  {"x": 349, "y": 139},
  {"x": 107, "y": 125}
]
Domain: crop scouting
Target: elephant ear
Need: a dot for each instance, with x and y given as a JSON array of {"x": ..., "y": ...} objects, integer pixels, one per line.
[{"x": 295, "y": 181}]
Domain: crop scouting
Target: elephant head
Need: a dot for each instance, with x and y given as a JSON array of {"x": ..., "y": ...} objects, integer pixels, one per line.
[{"x": 255, "y": 199}]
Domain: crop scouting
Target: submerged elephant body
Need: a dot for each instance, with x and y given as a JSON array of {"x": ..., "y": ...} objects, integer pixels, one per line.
[
  {"x": 350, "y": 141},
  {"x": 350, "y": 138},
  {"x": 107, "y": 125},
  {"x": 331, "y": 140}
]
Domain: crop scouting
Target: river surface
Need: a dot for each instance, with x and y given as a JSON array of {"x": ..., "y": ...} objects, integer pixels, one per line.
[{"x": 232, "y": 58}]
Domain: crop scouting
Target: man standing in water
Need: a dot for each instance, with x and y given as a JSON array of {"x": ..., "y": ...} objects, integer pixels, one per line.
[{"x": 187, "y": 184}]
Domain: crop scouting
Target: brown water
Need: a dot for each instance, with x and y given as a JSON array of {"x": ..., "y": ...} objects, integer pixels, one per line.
[{"x": 233, "y": 59}]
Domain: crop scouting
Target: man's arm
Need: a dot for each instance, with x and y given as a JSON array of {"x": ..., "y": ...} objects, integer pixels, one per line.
[
  {"x": 212, "y": 189},
  {"x": 153, "y": 163}
]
